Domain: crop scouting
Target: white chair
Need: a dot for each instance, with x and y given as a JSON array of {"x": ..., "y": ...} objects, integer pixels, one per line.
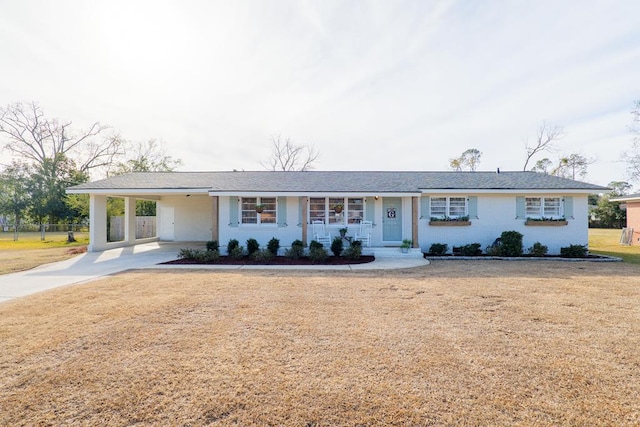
[
  {"x": 364, "y": 232},
  {"x": 319, "y": 233}
]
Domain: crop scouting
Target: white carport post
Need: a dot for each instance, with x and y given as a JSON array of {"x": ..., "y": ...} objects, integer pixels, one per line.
[
  {"x": 97, "y": 222},
  {"x": 130, "y": 220}
]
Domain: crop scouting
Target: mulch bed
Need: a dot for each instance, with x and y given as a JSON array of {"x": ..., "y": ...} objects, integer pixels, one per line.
[{"x": 280, "y": 260}]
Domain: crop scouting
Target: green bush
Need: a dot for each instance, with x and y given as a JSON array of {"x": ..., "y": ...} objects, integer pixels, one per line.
[
  {"x": 472, "y": 249},
  {"x": 236, "y": 252},
  {"x": 318, "y": 254},
  {"x": 538, "y": 249},
  {"x": 233, "y": 243},
  {"x": 315, "y": 245},
  {"x": 574, "y": 251},
  {"x": 252, "y": 246},
  {"x": 273, "y": 246},
  {"x": 354, "y": 251},
  {"x": 336, "y": 246},
  {"x": 296, "y": 251},
  {"x": 199, "y": 255},
  {"x": 186, "y": 253},
  {"x": 263, "y": 255},
  {"x": 212, "y": 245},
  {"x": 510, "y": 243},
  {"x": 438, "y": 249}
]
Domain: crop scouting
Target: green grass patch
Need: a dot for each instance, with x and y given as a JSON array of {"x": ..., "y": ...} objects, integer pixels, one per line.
[
  {"x": 605, "y": 241},
  {"x": 32, "y": 241}
]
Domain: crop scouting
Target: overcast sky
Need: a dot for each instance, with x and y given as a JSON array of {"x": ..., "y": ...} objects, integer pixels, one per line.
[{"x": 373, "y": 85}]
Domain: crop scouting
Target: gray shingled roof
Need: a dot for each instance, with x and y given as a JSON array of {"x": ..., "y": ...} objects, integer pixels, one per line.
[
  {"x": 337, "y": 181},
  {"x": 627, "y": 198}
]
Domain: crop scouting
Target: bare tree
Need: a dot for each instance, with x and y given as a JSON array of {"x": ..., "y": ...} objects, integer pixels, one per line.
[
  {"x": 547, "y": 135},
  {"x": 470, "y": 159},
  {"x": 33, "y": 137},
  {"x": 288, "y": 156},
  {"x": 146, "y": 157}
]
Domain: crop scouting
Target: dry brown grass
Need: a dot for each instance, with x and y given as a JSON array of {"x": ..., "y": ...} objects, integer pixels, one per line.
[
  {"x": 20, "y": 260},
  {"x": 454, "y": 343}
]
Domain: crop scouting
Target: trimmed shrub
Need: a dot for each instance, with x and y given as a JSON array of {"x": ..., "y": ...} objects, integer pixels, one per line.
[
  {"x": 318, "y": 254},
  {"x": 233, "y": 243},
  {"x": 511, "y": 243},
  {"x": 186, "y": 253},
  {"x": 199, "y": 255},
  {"x": 538, "y": 249},
  {"x": 472, "y": 249},
  {"x": 236, "y": 252},
  {"x": 252, "y": 246},
  {"x": 574, "y": 251},
  {"x": 273, "y": 246},
  {"x": 212, "y": 245},
  {"x": 336, "y": 246},
  {"x": 315, "y": 245},
  {"x": 438, "y": 249},
  {"x": 296, "y": 251},
  {"x": 354, "y": 251},
  {"x": 263, "y": 255}
]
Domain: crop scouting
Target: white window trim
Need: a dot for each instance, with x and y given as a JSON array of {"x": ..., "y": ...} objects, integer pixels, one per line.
[
  {"x": 448, "y": 207},
  {"x": 541, "y": 214},
  {"x": 259, "y": 222},
  {"x": 328, "y": 211}
]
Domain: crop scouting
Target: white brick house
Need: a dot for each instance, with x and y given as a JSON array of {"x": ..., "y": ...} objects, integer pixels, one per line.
[{"x": 477, "y": 206}]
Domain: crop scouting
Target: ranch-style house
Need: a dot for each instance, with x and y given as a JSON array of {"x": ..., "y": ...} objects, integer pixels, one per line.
[{"x": 455, "y": 208}]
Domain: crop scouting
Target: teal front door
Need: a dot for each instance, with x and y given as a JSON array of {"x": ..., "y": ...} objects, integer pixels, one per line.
[{"x": 392, "y": 219}]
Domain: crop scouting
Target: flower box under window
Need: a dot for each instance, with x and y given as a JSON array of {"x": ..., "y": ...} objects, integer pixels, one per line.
[
  {"x": 450, "y": 222},
  {"x": 546, "y": 222}
]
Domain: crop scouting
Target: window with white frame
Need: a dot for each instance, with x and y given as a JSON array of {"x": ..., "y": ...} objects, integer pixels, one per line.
[
  {"x": 258, "y": 210},
  {"x": 448, "y": 207},
  {"x": 336, "y": 210},
  {"x": 543, "y": 207}
]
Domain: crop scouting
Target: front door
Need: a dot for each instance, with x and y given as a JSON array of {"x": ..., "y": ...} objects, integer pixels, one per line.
[
  {"x": 392, "y": 219},
  {"x": 167, "y": 228}
]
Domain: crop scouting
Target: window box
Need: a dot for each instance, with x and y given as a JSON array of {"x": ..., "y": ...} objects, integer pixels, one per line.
[
  {"x": 546, "y": 223},
  {"x": 445, "y": 223}
]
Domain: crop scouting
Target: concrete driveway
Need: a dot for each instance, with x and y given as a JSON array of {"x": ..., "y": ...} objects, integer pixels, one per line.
[
  {"x": 85, "y": 267},
  {"x": 94, "y": 265}
]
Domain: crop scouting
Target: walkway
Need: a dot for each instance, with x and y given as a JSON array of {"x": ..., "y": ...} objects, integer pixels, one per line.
[{"x": 94, "y": 265}]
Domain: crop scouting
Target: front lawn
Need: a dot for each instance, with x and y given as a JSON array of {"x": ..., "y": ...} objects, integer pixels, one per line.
[
  {"x": 607, "y": 242},
  {"x": 464, "y": 343}
]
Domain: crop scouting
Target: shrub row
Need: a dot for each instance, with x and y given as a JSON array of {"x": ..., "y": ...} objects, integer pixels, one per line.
[
  {"x": 317, "y": 252},
  {"x": 509, "y": 244}
]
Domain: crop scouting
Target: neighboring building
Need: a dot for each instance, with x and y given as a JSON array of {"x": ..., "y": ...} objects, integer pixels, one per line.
[
  {"x": 478, "y": 206},
  {"x": 632, "y": 203}
]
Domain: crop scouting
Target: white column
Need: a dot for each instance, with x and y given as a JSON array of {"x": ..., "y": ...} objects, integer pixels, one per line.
[
  {"x": 130, "y": 220},
  {"x": 97, "y": 223}
]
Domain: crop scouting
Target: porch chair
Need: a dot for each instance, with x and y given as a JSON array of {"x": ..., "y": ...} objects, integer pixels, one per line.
[
  {"x": 319, "y": 233},
  {"x": 364, "y": 232}
]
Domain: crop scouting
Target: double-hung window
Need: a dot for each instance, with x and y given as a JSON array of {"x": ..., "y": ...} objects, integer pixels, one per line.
[
  {"x": 258, "y": 210},
  {"x": 336, "y": 210},
  {"x": 543, "y": 207},
  {"x": 448, "y": 207}
]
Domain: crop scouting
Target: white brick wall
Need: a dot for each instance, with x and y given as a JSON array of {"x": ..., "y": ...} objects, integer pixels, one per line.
[{"x": 497, "y": 213}]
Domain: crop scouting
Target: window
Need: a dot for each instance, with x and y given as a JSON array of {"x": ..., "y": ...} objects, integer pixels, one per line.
[
  {"x": 336, "y": 210},
  {"x": 448, "y": 207},
  {"x": 250, "y": 214},
  {"x": 543, "y": 207},
  {"x": 355, "y": 210},
  {"x": 317, "y": 209}
]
